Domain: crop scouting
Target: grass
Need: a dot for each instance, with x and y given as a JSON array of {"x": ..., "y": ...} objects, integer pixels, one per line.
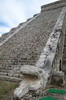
[{"x": 6, "y": 88}]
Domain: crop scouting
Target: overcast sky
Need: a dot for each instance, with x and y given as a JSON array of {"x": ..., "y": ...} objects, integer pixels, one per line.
[{"x": 13, "y": 12}]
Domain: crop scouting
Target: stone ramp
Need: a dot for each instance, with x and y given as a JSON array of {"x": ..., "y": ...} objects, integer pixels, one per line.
[
  {"x": 25, "y": 46},
  {"x": 64, "y": 55},
  {"x": 47, "y": 67}
]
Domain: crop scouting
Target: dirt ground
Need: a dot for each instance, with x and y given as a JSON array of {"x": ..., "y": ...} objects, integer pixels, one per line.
[{"x": 6, "y": 89}]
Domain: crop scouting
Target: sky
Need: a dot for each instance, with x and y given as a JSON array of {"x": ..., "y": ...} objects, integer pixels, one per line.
[{"x": 13, "y": 12}]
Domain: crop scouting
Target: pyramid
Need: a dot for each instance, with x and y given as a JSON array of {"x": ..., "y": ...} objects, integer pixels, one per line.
[{"x": 39, "y": 42}]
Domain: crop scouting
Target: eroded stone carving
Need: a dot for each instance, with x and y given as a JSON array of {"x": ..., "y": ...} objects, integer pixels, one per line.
[
  {"x": 34, "y": 78},
  {"x": 38, "y": 75}
]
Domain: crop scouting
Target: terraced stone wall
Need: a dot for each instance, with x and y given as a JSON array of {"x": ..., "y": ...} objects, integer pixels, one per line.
[{"x": 25, "y": 46}]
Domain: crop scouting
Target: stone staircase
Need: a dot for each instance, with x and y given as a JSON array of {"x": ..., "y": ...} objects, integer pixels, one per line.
[
  {"x": 27, "y": 46},
  {"x": 13, "y": 30},
  {"x": 5, "y": 35},
  {"x": 24, "y": 46},
  {"x": 10, "y": 74}
]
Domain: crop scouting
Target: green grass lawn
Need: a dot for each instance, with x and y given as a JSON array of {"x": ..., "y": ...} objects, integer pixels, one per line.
[{"x": 6, "y": 89}]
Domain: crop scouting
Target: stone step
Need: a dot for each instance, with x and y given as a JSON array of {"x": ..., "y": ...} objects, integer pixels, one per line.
[
  {"x": 18, "y": 75},
  {"x": 35, "y": 15},
  {"x": 4, "y": 70},
  {"x": 5, "y": 35},
  {"x": 4, "y": 73},
  {"x": 29, "y": 40},
  {"x": 14, "y": 72},
  {"x": 7, "y": 78},
  {"x": 9, "y": 68},
  {"x": 11, "y": 75}
]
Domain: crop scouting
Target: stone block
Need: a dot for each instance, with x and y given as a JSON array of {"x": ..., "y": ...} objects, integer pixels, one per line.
[
  {"x": 58, "y": 78},
  {"x": 34, "y": 78},
  {"x": 21, "y": 90}
]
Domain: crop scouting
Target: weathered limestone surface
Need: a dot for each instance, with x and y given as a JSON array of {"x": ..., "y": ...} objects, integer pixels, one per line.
[
  {"x": 58, "y": 78},
  {"x": 46, "y": 67},
  {"x": 33, "y": 79},
  {"x": 64, "y": 53},
  {"x": 13, "y": 30},
  {"x": 6, "y": 35},
  {"x": 26, "y": 45},
  {"x": 35, "y": 50},
  {"x": 54, "y": 5}
]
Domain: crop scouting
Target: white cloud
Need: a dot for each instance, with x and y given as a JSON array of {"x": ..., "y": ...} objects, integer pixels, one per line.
[
  {"x": 11, "y": 12},
  {"x": 14, "y": 12}
]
